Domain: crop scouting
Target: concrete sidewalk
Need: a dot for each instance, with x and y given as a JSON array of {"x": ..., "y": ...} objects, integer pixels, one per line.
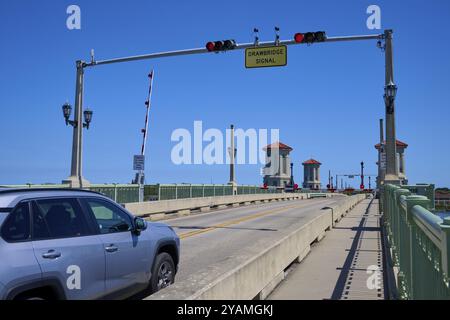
[{"x": 337, "y": 267}]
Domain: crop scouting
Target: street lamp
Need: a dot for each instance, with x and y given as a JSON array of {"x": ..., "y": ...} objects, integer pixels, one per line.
[
  {"x": 67, "y": 110},
  {"x": 390, "y": 91},
  {"x": 87, "y": 118}
]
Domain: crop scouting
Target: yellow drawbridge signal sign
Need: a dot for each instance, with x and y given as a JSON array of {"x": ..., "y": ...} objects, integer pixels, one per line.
[{"x": 259, "y": 57}]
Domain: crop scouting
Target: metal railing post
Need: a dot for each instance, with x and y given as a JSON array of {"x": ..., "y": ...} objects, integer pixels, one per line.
[
  {"x": 445, "y": 248},
  {"x": 411, "y": 201}
]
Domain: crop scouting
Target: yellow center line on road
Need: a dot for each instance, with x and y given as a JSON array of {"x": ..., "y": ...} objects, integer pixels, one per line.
[{"x": 236, "y": 221}]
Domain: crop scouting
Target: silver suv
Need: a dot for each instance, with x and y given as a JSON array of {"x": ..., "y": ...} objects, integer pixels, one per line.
[{"x": 78, "y": 244}]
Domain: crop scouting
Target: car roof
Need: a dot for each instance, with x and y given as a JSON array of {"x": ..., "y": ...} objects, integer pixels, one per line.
[{"x": 9, "y": 197}]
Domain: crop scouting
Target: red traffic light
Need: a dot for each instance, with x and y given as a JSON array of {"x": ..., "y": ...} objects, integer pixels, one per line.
[
  {"x": 310, "y": 37},
  {"x": 221, "y": 45},
  {"x": 361, "y": 186},
  {"x": 265, "y": 186},
  {"x": 295, "y": 186},
  {"x": 210, "y": 46},
  {"x": 298, "y": 37}
]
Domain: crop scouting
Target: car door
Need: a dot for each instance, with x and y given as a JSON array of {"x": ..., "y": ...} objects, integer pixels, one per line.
[
  {"x": 67, "y": 248},
  {"x": 128, "y": 255},
  {"x": 18, "y": 266}
]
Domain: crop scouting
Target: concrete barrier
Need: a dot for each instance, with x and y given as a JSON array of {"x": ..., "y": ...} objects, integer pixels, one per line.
[
  {"x": 255, "y": 276},
  {"x": 183, "y": 206}
]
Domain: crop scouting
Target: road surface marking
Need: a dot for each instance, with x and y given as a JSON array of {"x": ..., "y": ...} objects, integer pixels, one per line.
[{"x": 236, "y": 221}]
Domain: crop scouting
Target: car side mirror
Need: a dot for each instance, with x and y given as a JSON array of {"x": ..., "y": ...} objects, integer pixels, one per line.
[{"x": 139, "y": 225}]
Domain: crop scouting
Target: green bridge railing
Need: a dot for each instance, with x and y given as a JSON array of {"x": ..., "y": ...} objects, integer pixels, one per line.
[
  {"x": 420, "y": 242},
  {"x": 122, "y": 193},
  {"x": 126, "y": 193},
  {"x": 183, "y": 191}
]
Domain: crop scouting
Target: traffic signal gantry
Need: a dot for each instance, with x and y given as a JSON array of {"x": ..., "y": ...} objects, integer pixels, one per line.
[{"x": 76, "y": 178}]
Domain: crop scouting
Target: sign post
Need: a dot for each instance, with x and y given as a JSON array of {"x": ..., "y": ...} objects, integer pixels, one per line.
[
  {"x": 139, "y": 162},
  {"x": 139, "y": 166}
]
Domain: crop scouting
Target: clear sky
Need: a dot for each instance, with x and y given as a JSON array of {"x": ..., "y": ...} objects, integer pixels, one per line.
[{"x": 326, "y": 101}]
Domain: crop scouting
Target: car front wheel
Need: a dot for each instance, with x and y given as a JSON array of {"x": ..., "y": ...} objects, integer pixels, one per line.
[{"x": 163, "y": 273}]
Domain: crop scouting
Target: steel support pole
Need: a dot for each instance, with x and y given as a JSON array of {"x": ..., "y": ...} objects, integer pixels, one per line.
[
  {"x": 380, "y": 177},
  {"x": 329, "y": 179},
  {"x": 76, "y": 179},
  {"x": 232, "y": 161},
  {"x": 232, "y": 155},
  {"x": 362, "y": 174},
  {"x": 391, "y": 161}
]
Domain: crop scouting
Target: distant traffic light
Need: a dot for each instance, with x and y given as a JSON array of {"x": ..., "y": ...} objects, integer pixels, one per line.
[
  {"x": 310, "y": 37},
  {"x": 361, "y": 186},
  {"x": 221, "y": 45}
]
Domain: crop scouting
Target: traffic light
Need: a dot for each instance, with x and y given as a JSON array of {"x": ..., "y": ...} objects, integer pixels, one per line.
[
  {"x": 361, "y": 186},
  {"x": 221, "y": 45},
  {"x": 310, "y": 37}
]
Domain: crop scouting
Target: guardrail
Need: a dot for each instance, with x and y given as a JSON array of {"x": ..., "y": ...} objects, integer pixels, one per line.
[
  {"x": 127, "y": 193},
  {"x": 185, "y": 191},
  {"x": 121, "y": 193},
  {"x": 419, "y": 242},
  {"x": 156, "y": 210},
  {"x": 443, "y": 205}
]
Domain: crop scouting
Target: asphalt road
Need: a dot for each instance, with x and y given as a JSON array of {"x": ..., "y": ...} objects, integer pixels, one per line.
[{"x": 213, "y": 238}]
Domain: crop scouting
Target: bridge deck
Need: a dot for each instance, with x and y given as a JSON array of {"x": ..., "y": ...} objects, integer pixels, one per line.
[
  {"x": 221, "y": 236},
  {"x": 337, "y": 267}
]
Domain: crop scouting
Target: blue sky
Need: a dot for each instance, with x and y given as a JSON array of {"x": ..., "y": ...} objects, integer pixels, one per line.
[{"x": 326, "y": 101}]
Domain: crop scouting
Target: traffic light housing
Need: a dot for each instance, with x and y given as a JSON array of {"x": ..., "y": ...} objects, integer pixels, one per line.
[
  {"x": 220, "y": 45},
  {"x": 310, "y": 37}
]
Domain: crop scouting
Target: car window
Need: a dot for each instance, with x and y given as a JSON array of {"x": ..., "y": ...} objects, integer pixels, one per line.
[
  {"x": 58, "y": 218},
  {"x": 17, "y": 224},
  {"x": 109, "y": 217}
]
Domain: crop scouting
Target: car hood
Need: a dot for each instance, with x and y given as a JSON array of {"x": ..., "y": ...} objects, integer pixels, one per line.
[
  {"x": 158, "y": 224},
  {"x": 163, "y": 229}
]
